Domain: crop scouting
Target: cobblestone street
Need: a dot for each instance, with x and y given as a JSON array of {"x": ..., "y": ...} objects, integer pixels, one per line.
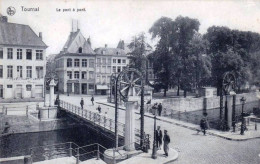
[{"x": 192, "y": 148}]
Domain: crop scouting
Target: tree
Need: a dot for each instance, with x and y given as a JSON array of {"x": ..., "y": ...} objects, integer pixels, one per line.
[
  {"x": 184, "y": 29},
  {"x": 139, "y": 50},
  {"x": 161, "y": 57}
]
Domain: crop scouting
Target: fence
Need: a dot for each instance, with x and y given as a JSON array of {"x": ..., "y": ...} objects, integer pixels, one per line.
[{"x": 98, "y": 119}]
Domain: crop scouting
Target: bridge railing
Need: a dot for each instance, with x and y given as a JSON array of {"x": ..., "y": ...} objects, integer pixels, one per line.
[{"x": 97, "y": 119}]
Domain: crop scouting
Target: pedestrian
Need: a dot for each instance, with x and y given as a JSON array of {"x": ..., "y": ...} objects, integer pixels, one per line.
[
  {"x": 158, "y": 137},
  {"x": 82, "y": 103},
  {"x": 203, "y": 125},
  {"x": 92, "y": 100},
  {"x": 166, "y": 141},
  {"x": 160, "y": 109},
  {"x": 99, "y": 109}
]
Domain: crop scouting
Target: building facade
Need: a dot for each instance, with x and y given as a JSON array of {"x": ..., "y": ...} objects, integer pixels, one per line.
[
  {"x": 82, "y": 70},
  {"x": 22, "y": 61}
]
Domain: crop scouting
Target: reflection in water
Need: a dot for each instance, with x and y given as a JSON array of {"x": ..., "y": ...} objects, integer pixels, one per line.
[{"x": 19, "y": 144}]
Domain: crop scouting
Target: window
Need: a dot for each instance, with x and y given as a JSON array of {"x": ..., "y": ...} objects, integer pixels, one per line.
[
  {"x": 98, "y": 79},
  {"x": 19, "y": 71},
  {"x": 84, "y": 75},
  {"x": 114, "y": 60},
  {"x": 84, "y": 62},
  {"x": 98, "y": 69},
  {"x": 1, "y": 53},
  {"x": 80, "y": 49},
  {"x": 69, "y": 74},
  {"x": 76, "y": 74},
  {"x": 118, "y": 60},
  {"x": 9, "y": 53},
  {"x": 114, "y": 69},
  {"x": 28, "y": 87},
  {"x": 29, "y": 72},
  {"x": 39, "y": 54},
  {"x": 19, "y": 54},
  {"x": 69, "y": 62},
  {"x": 1, "y": 71},
  {"x": 118, "y": 69},
  {"x": 91, "y": 75},
  {"x": 109, "y": 69},
  {"x": 109, "y": 61},
  {"x": 103, "y": 69},
  {"x": 39, "y": 72},
  {"x": 9, "y": 71},
  {"x": 91, "y": 86},
  {"x": 104, "y": 61},
  {"x": 124, "y": 61},
  {"x": 103, "y": 79},
  {"x": 9, "y": 86},
  {"x": 98, "y": 61},
  {"x": 91, "y": 63},
  {"x": 29, "y": 54},
  {"x": 76, "y": 63}
]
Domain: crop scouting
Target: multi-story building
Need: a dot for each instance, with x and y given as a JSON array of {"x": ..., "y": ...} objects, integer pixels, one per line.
[
  {"x": 22, "y": 61},
  {"x": 84, "y": 71},
  {"x": 108, "y": 61},
  {"x": 75, "y": 65}
]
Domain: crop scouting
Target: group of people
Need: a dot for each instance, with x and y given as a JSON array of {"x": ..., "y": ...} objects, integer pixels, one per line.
[
  {"x": 157, "y": 109},
  {"x": 166, "y": 140},
  {"x": 82, "y": 102}
]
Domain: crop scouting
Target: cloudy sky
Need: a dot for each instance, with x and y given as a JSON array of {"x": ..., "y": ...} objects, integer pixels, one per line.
[{"x": 106, "y": 22}]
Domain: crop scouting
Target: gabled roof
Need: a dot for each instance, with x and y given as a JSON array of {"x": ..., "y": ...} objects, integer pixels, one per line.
[
  {"x": 17, "y": 34},
  {"x": 75, "y": 41}
]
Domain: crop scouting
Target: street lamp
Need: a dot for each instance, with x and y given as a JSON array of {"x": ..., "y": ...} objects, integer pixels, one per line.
[
  {"x": 154, "y": 155},
  {"x": 242, "y": 100}
]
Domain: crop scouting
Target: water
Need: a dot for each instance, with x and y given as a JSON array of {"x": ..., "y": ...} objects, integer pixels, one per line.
[{"x": 19, "y": 144}]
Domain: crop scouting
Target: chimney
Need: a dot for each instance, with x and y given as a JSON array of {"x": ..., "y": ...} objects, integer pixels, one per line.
[
  {"x": 40, "y": 35},
  {"x": 89, "y": 41},
  {"x": 105, "y": 45},
  {"x": 4, "y": 19}
]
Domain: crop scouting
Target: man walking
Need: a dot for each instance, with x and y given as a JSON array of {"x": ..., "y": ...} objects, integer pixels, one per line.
[
  {"x": 203, "y": 126},
  {"x": 82, "y": 103},
  {"x": 92, "y": 100},
  {"x": 158, "y": 137},
  {"x": 99, "y": 109},
  {"x": 160, "y": 109},
  {"x": 166, "y": 141}
]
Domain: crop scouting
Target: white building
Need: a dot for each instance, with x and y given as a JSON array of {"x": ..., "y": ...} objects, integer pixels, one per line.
[
  {"x": 84, "y": 71},
  {"x": 22, "y": 62}
]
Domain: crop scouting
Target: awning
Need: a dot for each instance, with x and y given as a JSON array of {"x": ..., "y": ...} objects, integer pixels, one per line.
[{"x": 102, "y": 87}]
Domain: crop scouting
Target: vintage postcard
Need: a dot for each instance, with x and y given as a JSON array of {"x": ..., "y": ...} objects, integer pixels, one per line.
[{"x": 129, "y": 82}]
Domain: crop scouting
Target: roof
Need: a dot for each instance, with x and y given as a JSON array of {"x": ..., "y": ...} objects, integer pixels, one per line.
[
  {"x": 110, "y": 51},
  {"x": 17, "y": 34},
  {"x": 75, "y": 41}
]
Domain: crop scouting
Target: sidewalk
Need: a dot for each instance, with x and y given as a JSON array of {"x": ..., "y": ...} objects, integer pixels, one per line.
[
  {"x": 250, "y": 134},
  {"x": 144, "y": 158}
]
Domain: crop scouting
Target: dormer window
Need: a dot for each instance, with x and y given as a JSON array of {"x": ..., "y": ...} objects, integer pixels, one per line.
[{"x": 80, "y": 49}]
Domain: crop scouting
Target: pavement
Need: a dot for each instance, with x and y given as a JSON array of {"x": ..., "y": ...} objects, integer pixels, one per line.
[
  {"x": 146, "y": 158},
  {"x": 192, "y": 147}
]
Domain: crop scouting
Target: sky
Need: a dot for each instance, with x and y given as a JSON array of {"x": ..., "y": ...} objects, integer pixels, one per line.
[{"x": 106, "y": 22}]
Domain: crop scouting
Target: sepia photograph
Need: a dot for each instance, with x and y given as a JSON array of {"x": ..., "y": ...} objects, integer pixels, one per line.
[{"x": 130, "y": 82}]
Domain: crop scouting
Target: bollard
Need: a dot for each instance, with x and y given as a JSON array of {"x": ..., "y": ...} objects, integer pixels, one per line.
[
  {"x": 70, "y": 149},
  {"x": 27, "y": 110},
  {"x": 77, "y": 162},
  {"x": 255, "y": 125},
  {"x": 98, "y": 152}
]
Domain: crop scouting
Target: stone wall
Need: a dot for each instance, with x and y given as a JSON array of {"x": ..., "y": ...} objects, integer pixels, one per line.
[{"x": 195, "y": 104}]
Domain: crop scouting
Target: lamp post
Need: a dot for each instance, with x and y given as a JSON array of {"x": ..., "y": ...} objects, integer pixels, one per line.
[
  {"x": 154, "y": 154},
  {"x": 242, "y": 100}
]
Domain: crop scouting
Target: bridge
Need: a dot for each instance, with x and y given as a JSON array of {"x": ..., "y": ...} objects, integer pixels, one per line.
[{"x": 97, "y": 119}]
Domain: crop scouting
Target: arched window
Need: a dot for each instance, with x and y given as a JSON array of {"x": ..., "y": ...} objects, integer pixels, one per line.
[
  {"x": 69, "y": 62},
  {"x": 80, "y": 49}
]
